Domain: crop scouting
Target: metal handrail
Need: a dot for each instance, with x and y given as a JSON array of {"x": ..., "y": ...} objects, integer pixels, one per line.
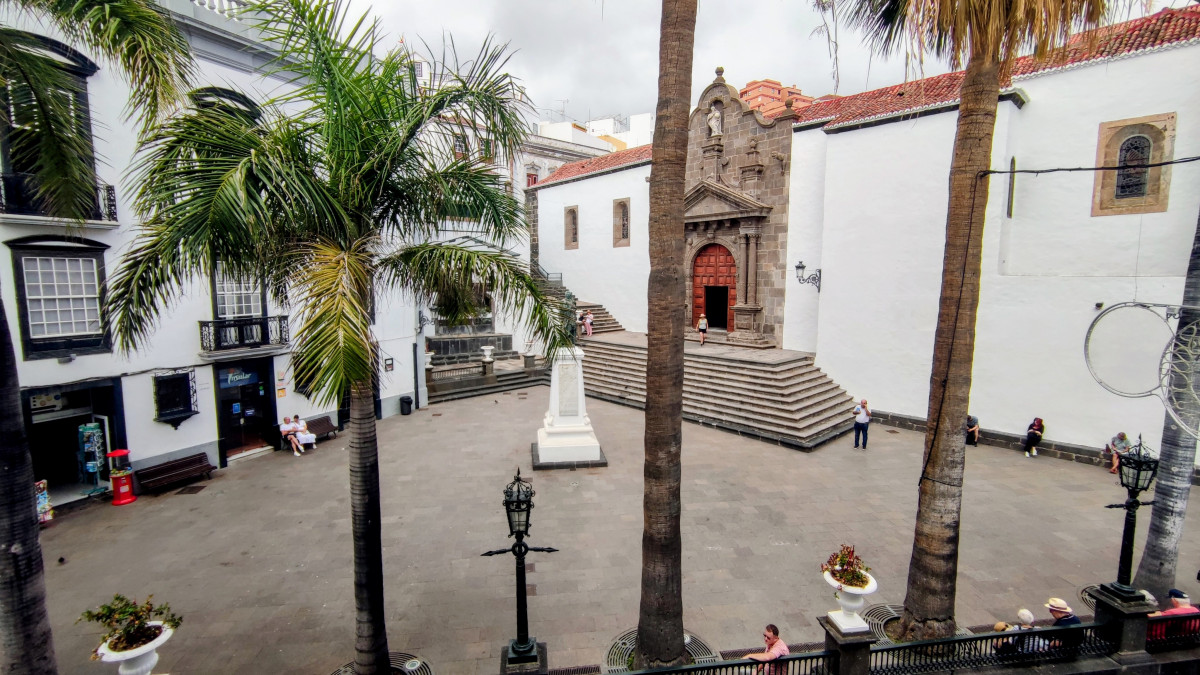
[
  {"x": 255, "y": 331},
  {"x": 18, "y": 197},
  {"x": 810, "y": 663},
  {"x": 1168, "y": 633},
  {"x": 1027, "y": 647}
]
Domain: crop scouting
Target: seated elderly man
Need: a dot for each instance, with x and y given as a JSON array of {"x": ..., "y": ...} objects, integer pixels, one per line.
[
  {"x": 1118, "y": 446},
  {"x": 1180, "y": 604}
]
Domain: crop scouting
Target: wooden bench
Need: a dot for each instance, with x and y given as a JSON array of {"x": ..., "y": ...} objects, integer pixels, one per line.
[
  {"x": 175, "y": 471},
  {"x": 318, "y": 426}
]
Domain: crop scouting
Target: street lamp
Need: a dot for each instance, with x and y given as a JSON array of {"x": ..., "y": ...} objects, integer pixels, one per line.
[
  {"x": 1137, "y": 470},
  {"x": 814, "y": 278},
  {"x": 518, "y": 503}
]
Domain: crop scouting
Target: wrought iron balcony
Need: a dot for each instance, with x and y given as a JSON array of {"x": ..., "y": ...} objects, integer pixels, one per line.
[
  {"x": 257, "y": 331},
  {"x": 17, "y": 197}
]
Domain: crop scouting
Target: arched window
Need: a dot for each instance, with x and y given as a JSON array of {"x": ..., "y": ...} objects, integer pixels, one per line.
[
  {"x": 624, "y": 220},
  {"x": 1131, "y": 177},
  {"x": 226, "y": 99},
  {"x": 571, "y": 227},
  {"x": 620, "y": 222}
]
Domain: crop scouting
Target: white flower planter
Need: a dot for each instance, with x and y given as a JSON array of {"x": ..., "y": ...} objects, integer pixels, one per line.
[
  {"x": 138, "y": 661},
  {"x": 487, "y": 353},
  {"x": 851, "y": 599}
]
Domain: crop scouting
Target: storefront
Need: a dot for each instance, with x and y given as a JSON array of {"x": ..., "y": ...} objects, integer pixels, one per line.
[
  {"x": 246, "y": 418},
  {"x": 71, "y": 428}
]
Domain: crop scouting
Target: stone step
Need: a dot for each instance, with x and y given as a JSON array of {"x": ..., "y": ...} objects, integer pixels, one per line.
[
  {"x": 602, "y": 320},
  {"x": 795, "y": 391},
  {"x": 771, "y": 380},
  {"x": 628, "y": 351},
  {"x": 482, "y": 386}
]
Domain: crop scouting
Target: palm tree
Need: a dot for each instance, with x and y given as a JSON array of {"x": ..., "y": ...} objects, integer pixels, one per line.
[
  {"x": 1177, "y": 460},
  {"x": 55, "y": 148},
  {"x": 660, "y": 619},
  {"x": 988, "y": 36},
  {"x": 335, "y": 190}
]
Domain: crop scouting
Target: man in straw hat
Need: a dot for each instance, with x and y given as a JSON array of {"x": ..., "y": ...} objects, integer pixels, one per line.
[{"x": 1062, "y": 612}]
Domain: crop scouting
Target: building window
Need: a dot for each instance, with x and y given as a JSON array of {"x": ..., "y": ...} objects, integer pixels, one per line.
[
  {"x": 1131, "y": 177},
  {"x": 460, "y": 146},
  {"x": 571, "y": 227},
  {"x": 175, "y": 396},
  {"x": 531, "y": 179},
  {"x": 1131, "y": 146},
  {"x": 59, "y": 293},
  {"x": 236, "y": 298},
  {"x": 620, "y": 223},
  {"x": 419, "y": 68}
]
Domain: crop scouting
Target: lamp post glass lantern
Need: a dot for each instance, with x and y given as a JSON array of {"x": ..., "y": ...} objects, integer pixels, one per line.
[
  {"x": 814, "y": 278},
  {"x": 1136, "y": 471},
  {"x": 518, "y": 503}
]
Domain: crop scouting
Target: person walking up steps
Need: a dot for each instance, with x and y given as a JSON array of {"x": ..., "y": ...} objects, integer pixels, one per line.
[
  {"x": 862, "y": 419},
  {"x": 702, "y": 326}
]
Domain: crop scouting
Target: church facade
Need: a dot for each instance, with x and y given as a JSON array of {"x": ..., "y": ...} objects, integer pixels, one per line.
[{"x": 822, "y": 229}]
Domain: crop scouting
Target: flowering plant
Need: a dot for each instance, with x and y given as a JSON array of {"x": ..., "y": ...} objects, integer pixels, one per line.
[
  {"x": 847, "y": 568},
  {"x": 127, "y": 624}
]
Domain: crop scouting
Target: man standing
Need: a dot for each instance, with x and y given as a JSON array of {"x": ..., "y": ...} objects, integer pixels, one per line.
[
  {"x": 862, "y": 418},
  {"x": 775, "y": 649}
]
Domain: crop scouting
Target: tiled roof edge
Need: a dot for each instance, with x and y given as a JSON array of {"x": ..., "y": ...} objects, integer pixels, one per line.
[
  {"x": 1017, "y": 96},
  {"x": 591, "y": 174},
  {"x": 1107, "y": 59}
]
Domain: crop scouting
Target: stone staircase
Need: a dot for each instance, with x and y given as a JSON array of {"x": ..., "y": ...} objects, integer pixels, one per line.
[
  {"x": 506, "y": 377},
  {"x": 602, "y": 321},
  {"x": 784, "y": 398}
]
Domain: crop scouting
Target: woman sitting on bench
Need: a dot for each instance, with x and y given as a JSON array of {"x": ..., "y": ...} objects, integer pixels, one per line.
[
  {"x": 288, "y": 431},
  {"x": 302, "y": 436}
]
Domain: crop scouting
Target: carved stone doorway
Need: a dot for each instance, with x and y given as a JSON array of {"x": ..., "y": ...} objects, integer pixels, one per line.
[{"x": 714, "y": 266}]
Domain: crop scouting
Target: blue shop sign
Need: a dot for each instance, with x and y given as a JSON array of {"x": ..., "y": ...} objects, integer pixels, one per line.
[{"x": 236, "y": 377}]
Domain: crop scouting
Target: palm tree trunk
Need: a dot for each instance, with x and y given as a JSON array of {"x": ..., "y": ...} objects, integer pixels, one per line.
[
  {"x": 660, "y": 619},
  {"x": 371, "y": 646},
  {"x": 26, "y": 645},
  {"x": 933, "y": 570},
  {"x": 1177, "y": 460}
]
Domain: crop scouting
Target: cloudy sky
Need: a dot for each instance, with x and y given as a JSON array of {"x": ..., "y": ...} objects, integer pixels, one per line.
[{"x": 596, "y": 58}]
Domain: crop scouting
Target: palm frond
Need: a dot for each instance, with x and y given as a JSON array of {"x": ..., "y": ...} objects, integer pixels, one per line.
[
  {"x": 139, "y": 37},
  {"x": 335, "y": 347},
  {"x": 450, "y": 272},
  {"x": 418, "y": 201},
  {"x": 49, "y": 134}
]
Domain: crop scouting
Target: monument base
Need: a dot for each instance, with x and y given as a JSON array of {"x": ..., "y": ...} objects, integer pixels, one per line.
[
  {"x": 533, "y": 664},
  {"x": 541, "y": 464}
]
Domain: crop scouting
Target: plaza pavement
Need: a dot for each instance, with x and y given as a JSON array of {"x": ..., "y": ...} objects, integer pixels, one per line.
[{"x": 259, "y": 562}]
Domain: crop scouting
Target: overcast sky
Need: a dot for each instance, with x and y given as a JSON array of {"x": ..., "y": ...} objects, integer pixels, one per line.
[{"x": 597, "y": 58}]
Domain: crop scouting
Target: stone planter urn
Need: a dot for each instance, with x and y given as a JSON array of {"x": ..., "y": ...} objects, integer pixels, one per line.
[
  {"x": 139, "y": 661},
  {"x": 487, "y": 353},
  {"x": 851, "y": 600}
]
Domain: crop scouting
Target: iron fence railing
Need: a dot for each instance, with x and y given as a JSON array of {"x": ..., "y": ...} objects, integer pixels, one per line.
[
  {"x": 246, "y": 332},
  {"x": 18, "y": 197},
  {"x": 540, "y": 272},
  {"x": 467, "y": 372},
  {"x": 1168, "y": 633},
  {"x": 1022, "y": 648},
  {"x": 811, "y": 663}
]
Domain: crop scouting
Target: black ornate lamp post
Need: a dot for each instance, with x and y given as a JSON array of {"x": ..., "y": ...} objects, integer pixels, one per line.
[
  {"x": 1137, "y": 470},
  {"x": 518, "y": 503},
  {"x": 814, "y": 278}
]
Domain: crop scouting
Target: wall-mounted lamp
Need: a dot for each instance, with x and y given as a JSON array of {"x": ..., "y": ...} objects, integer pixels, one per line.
[
  {"x": 814, "y": 279},
  {"x": 422, "y": 321}
]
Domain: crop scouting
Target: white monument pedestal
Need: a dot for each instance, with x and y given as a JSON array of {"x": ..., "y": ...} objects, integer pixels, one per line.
[{"x": 566, "y": 439}]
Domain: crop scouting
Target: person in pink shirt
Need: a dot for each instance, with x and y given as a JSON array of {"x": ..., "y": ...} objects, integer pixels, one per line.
[
  {"x": 775, "y": 649},
  {"x": 1180, "y": 604}
]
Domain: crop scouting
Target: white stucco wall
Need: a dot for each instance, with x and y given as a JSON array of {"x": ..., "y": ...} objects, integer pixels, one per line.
[
  {"x": 806, "y": 208},
  {"x": 1043, "y": 270},
  {"x": 597, "y": 272}
]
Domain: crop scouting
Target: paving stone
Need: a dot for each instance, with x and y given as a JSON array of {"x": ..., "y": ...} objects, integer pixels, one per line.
[{"x": 259, "y": 563}]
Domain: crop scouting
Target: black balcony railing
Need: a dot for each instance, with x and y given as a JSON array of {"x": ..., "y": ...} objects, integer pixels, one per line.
[
  {"x": 1013, "y": 648},
  {"x": 224, "y": 334},
  {"x": 18, "y": 197}
]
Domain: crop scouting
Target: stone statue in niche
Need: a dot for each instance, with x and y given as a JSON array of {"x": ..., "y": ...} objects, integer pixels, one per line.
[{"x": 714, "y": 119}]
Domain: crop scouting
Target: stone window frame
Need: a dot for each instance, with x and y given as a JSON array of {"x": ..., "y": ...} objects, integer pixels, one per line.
[
  {"x": 621, "y": 230},
  {"x": 571, "y": 228},
  {"x": 1160, "y": 131}
]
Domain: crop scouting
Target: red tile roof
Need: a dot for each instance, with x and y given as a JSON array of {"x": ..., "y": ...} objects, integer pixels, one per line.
[
  {"x": 1167, "y": 27},
  {"x": 1170, "y": 26},
  {"x": 612, "y": 160}
]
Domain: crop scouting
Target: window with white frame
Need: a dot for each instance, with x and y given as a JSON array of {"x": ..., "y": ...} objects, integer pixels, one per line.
[
  {"x": 62, "y": 296},
  {"x": 236, "y": 297}
]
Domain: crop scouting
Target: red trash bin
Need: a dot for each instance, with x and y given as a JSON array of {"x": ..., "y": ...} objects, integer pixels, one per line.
[{"x": 121, "y": 475}]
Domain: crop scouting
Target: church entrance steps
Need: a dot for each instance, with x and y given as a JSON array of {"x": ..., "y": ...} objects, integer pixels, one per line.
[
  {"x": 500, "y": 381},
  {"x": 602, "y": 320},
  {"x": 778, "y": 395}
]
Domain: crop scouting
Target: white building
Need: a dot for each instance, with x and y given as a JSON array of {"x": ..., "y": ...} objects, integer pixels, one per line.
[
  {"x": 215, "y": 377},
  {"x": 859, "y": 193}
]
